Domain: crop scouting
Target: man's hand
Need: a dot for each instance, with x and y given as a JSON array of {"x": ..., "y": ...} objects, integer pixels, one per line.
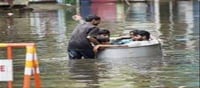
[
  {"x": 77, "y": 17},
  {"x": 95, "y": 49}
]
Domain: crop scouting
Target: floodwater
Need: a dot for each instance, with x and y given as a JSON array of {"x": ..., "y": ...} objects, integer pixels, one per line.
[{"x": 175, "y": 23}]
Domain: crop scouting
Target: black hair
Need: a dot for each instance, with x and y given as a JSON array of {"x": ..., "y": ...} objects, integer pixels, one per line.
[
  {"x": 103, "y": 39},
  {"x": 104, "y": 31},
  {"x": 144, "y": 33},
  {"x": 134, "y": 32},
  {"x": 89, "y": 18}
]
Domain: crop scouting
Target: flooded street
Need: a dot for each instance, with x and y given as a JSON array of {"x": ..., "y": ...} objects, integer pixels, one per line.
[{"x": 174, "y": 22}]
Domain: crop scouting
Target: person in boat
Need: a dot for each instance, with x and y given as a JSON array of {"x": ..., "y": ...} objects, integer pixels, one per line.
[
  {"x": 79, "y": 45},
  {"x": 142, "y": 37},
  {"x": 135, "y": 36},
  {"x": 103, "y": 38},
  {"x": 139, "y": 35}
]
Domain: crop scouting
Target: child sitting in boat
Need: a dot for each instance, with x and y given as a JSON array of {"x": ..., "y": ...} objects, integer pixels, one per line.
[
  {"x": 140, "y": 37},
  {"x": 103, "y": 37},
  {"x": 136, "y": 38},
  {"x": 126, "y": 39},
  {"x": 134, "y": 35}
]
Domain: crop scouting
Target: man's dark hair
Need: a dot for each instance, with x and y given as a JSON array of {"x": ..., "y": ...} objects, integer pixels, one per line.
[
  {"x": 134, "y": 32},
  {"x": 89, "y": 18},
  {"x": 103, "y": 39},
  {"x": 104, "y": 31},
  {"x": 144, "y": 33}
]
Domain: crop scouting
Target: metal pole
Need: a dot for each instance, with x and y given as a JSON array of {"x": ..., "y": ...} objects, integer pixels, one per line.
[
  {"x": 9, "y": 56},
  {"x": 78, "y": 7}
]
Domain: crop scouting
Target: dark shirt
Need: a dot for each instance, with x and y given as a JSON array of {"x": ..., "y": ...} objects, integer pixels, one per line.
[{"x": 79, "y": 39}]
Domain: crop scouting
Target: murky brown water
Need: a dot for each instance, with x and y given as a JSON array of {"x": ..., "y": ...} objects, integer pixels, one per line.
[{"x": 175, "y": 23}]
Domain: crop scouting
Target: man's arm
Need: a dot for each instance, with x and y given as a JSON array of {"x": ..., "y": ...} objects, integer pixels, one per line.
[
  {"x": 93, "y": 40},
  {"x": 96, "y": 48},
  {"x": 121, "y": 37},
  {"x": 92, "y": 34}
]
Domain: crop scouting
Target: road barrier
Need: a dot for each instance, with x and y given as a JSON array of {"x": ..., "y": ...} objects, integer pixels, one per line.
[{"x": 31, "y": 63}]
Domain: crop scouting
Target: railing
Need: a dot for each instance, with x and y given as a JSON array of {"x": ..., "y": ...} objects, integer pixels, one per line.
[{"x": 31, "y": 63}]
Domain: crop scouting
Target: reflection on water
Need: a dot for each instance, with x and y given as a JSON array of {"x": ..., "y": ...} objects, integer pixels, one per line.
[
  {"x": 138, "y": 12},
  {"x": 174, "y": 22}
]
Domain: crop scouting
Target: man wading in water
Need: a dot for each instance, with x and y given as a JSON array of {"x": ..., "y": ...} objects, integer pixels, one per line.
[{"x": 82, "y": 36}]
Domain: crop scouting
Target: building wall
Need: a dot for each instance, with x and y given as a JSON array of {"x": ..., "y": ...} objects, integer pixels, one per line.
[{"x": 16, "y": 2}]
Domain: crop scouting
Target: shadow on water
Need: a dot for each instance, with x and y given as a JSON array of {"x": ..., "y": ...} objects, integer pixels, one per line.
[{"x": 174, "y": 22}]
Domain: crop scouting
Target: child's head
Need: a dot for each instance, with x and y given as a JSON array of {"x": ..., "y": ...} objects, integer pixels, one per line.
[
  {"x": 145, "y": 35},
  {"x": 134, "y": 32},
  {"x": 135, "y": 35},
  {"x": 139, "y": 35},
  {"x": 103, "y": 40},
  {"x": 103, "y": 35}
]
